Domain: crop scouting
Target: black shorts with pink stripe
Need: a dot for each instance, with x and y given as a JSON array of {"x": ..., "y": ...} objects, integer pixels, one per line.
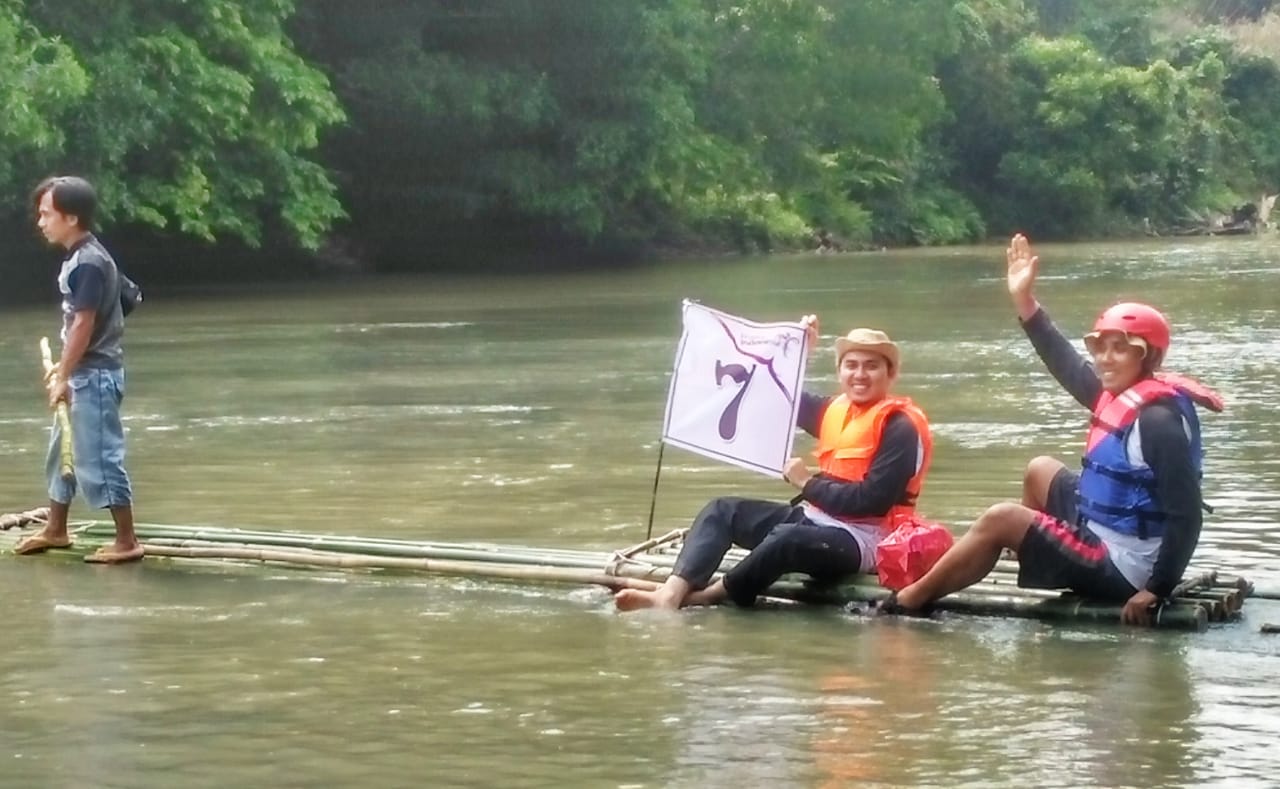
[{"x": 1057, "y": 553}]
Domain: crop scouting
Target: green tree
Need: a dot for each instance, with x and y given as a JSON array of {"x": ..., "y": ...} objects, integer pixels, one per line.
[
  {"x": 1099, "y": 145},
  {"x": 38, "y": 76},
  {"x": 514, "y": 120},
  {"x": 196, "y": 117},
  {"x": 1251, "y": 93},
  {"x": 658, "y": 121},
  {"x": 833, "y": 102},
  {"x": 977, "y": 81}
]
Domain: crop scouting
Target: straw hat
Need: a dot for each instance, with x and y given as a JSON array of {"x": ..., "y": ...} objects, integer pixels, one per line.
[{"x": 872, "y": 340}]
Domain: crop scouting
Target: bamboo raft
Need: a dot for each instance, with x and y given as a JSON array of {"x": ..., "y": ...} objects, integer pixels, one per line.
[{"x": 1204, "y": 597}]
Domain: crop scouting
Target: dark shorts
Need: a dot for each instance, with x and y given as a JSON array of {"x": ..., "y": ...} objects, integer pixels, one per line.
[
  {"x": 1059, "y": 554},
  {"x": 1063, "y": 495}
]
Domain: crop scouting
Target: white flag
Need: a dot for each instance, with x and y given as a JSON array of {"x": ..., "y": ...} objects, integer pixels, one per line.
[{"x": 736, "y": 389}]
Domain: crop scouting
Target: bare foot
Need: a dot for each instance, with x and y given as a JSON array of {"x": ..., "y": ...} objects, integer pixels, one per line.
[
  {"x": 636, "y": 599},
  {"x": 907, "y": 599},
  {"x": 115, "y": 554},
  {"x": 43, "y": 540},
  {"x": 893, "y": 605}
]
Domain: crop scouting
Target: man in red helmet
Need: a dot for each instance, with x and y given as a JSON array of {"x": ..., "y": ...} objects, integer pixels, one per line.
[{"x": 1123, "y": 529}]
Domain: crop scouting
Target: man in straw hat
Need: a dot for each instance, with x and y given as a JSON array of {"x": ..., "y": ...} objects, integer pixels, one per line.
[
  {"x": 1124, "y": 528},
  {"x": 873, "y": 453}
]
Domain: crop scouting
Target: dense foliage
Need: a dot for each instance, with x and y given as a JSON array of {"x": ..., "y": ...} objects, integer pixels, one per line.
[
  {"x": 399, "y": 132},
  {"x": 196, "y": 116}
]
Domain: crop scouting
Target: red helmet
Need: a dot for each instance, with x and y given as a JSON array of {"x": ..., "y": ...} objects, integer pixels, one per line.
[{"x": 1138, "y": 320}]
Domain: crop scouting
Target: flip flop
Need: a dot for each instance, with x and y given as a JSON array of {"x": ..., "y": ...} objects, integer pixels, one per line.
[
  {"x": 108, "y": 556},
  {"x": 37, "y": 543}
]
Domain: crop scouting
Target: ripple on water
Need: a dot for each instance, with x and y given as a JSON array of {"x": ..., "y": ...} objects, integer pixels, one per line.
[
  {"x": 188, "y": 612},
  {"x": 365, "y": 328}
]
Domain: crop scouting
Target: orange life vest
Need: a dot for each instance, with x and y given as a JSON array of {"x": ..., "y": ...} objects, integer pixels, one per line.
[{"x": 849, "y": 437}]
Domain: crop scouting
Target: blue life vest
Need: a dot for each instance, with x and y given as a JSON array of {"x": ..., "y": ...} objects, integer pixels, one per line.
[{"x": 1114, "y": 492}]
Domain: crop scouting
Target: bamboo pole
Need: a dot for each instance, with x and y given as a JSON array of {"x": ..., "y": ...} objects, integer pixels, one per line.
[
  {"x": 875, "y": 591},
  {"x": 427, "y": 563},
  {"x": 654, "y": 566},
  {"x": 1234, "y": 584},
  {"x": 1203, "y": 580},
  {"x": 653, "y": 502},
  {"x": 863, "y": 588},
  {"x": 16, "y": 520},
  {"x": 997, "y": 595},
  {"x": 671, "y": 536},
  {"x": 1220, "y": 597},
  {"x": 1216, "y": 607},
  {"x": 66, "y": 450},
  {"x": 391, "y": 548},
  {"x": 1173, "y": 616},
  {"x": 364, "y": 561},
  {"x": 1246, "y": 589},
  {"x": 1265, "y": 592},
  {"x": 319, "y": 541},
  {"x": 627, "y": 555}
]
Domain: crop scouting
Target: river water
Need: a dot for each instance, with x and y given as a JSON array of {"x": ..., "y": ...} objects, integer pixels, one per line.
[{"x": 527, "y": 409}]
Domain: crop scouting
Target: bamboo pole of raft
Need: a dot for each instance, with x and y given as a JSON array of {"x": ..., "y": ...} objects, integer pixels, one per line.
[
  {"x": 380, "y": 546},
  {"x": 1237, "y": 584},
  {"x": 669, "y": 537},
  {"x": 1177, "y": 617},
  {"x": 1259, "y": 592},
  {"x": 869, "y": 583},
  {"x": 66, "y": 451},
  {"x": 1216, "y": 608},
  {"x": 863, "y": 581},
  {"x": 997, "y": 595},
  {"x": 16, "y": 520},
  {"x": 206, "y": 549},
  {"x": 377, "y": 547},
  {"x": 364, "y": 561},
  {"x": 1005, "y": 574},
  {"x": 1199, "y": 581},
  {"x": 1221, "y": 598},
  {"x": 1173, "y": 616}
]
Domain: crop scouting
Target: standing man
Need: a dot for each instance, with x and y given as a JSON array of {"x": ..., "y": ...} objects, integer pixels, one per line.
[
  {"x": 1125, "y": 527},
  {"x": 89, "y": 376},
  {"x": 873, "y": 452}
]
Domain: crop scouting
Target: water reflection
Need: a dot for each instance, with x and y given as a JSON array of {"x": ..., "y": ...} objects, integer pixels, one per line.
[
  {"x": 78, "y": 686},
  {"x": 877, "y": 711},
  {"x": 1039, "y": 708}
]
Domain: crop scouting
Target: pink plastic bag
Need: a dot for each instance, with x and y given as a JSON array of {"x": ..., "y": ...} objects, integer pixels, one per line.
[{"x": 910, "y": 550}]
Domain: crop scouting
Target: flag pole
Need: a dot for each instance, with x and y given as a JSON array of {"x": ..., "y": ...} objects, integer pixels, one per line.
[{"x": 653, "y": 503}]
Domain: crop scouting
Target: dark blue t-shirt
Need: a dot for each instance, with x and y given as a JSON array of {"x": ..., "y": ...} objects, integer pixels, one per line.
[{"x": 89, "y": 280}]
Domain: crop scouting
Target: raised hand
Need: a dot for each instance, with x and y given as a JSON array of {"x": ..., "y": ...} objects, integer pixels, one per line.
[
  {"x": 1022, "y": 270},
  {"x": 810, "y": 324}
]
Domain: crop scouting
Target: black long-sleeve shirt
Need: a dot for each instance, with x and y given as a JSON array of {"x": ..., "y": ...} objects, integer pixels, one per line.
[
  {"x": 891, "y": 469},
  {"x": 1165, "y": 447}
]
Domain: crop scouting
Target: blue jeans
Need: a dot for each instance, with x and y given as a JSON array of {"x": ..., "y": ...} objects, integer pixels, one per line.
[{"x": 97, "y": 439}]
